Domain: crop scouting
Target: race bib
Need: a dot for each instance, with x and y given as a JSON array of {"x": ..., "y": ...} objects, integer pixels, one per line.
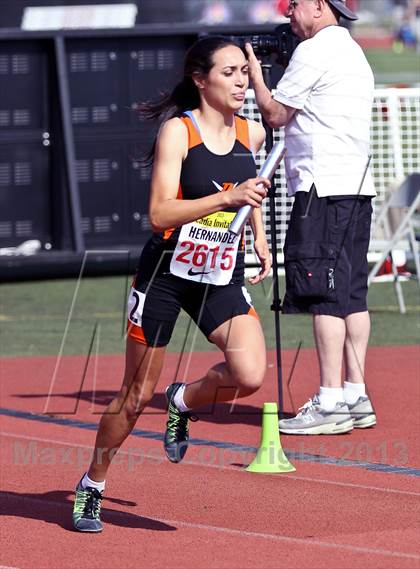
[
  {"x": 135, "y": 306},
  {"x": 206, "y": 251}
]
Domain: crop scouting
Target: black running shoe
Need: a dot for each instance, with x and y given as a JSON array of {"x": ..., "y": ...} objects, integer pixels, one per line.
[
  {"x": 87, "y": 509},
  {"x": 176, "y": 435}
]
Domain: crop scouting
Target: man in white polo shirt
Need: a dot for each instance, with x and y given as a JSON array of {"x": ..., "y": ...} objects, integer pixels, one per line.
[{"x": 324, "y": 100}]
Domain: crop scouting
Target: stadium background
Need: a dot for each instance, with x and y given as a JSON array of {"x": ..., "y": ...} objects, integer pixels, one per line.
[{"x": 70, "y": 139}]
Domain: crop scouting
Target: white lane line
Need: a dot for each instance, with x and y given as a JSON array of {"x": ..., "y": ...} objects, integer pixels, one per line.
[
  {"x": 299, "y": 540},
  {"x": 353, "y": 485},
  {"x": 156, "y": 459},
  {"x": 240, "y": 533}
]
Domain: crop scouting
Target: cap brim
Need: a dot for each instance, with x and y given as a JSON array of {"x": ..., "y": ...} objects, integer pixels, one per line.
[{"x": 344, "y": 11}]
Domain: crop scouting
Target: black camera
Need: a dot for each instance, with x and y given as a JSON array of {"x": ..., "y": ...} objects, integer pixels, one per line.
[{"x": 281, "y": 43}]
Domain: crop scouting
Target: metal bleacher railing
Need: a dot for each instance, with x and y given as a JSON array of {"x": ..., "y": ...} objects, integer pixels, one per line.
[{"x": 395, "y": 148}]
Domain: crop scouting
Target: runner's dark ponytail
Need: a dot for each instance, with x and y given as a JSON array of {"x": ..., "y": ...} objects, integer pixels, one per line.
[{"x": 185, "y": 95}]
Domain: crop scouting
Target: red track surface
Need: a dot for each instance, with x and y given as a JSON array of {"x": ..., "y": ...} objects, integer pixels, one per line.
[{"x": 207, "y": 512}]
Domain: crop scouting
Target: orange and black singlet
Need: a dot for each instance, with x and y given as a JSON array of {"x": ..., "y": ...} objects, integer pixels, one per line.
[{"x": 204, "y": 250}]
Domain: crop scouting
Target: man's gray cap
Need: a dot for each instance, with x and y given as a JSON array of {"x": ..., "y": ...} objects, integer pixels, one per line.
[{"x": 340, "y": 5}]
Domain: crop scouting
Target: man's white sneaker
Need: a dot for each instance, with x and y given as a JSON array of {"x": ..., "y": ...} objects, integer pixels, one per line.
[
  {"x": 312, "y": 419},
  {"x": 362, "y": 413}
]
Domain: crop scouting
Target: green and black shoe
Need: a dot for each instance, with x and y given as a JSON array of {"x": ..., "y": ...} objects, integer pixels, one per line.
[
  {"x": 87, "y": 509},
  {"x": 176, "y": 435}
]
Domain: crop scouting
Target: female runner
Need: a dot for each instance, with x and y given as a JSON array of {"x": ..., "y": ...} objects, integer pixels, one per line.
[{"x": 203, "y": 171}]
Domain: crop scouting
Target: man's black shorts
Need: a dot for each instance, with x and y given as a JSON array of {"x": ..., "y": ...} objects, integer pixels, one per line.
[
  {"x": 153, "y": 307},
  {"x": 326, "y": 254}
]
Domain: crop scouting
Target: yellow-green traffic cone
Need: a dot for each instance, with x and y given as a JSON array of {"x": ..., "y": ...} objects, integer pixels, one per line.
[{"x": 270, "y": 456}]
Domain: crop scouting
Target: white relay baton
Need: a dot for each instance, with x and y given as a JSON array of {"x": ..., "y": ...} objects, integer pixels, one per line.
[{"x": 267, "y": 171}]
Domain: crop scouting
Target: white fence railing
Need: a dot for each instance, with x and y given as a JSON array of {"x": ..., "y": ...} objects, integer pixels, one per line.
[{"x": 395, "y": 136}]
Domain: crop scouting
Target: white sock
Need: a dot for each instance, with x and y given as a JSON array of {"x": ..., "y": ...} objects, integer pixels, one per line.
[
  {"x": 352, "y": 391},
  {"x": 330, "y": 396},
  {"x": 179, "y": 400},
  {"x": 88, "y": 482}
]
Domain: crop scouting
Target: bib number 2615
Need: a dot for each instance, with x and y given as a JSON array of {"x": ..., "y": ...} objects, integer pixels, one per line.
[{"x": 198, "y": 254}]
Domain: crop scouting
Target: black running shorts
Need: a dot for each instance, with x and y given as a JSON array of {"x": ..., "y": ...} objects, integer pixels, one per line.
[
  {"x": 326, "y": 255},
  {"x": 153, "y": 307}
]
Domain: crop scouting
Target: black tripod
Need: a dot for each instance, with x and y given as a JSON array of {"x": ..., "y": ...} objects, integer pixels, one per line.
[{"x": 276, "y": 305}]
